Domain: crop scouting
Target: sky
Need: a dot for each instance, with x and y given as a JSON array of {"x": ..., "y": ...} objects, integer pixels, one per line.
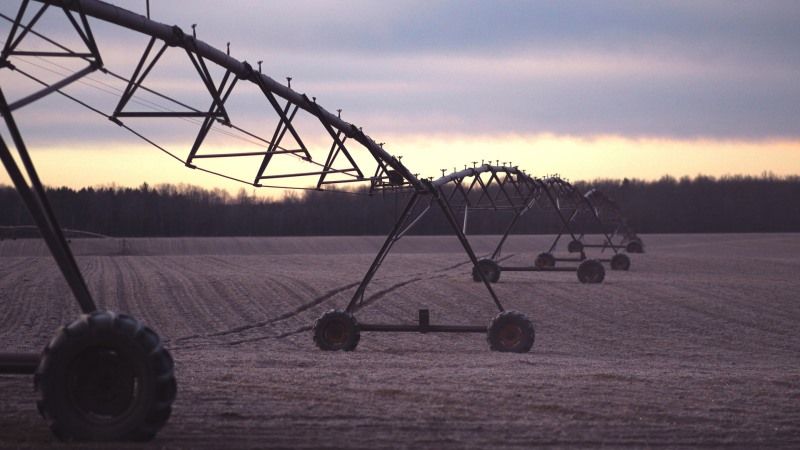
[{"x": 585, "y": 89}]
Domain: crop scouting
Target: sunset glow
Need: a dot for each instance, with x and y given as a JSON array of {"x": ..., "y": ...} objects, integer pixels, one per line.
[
  {"x": 586, "y": 91},
  {"x": 571, "y": 157}
]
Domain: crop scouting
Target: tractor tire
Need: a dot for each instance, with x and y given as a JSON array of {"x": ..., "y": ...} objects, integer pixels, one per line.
[
  {"x": 620, "y": 261},
  {"x": 591, "y": 272},
  {"x": 634, "y": 247},
  {"x": 490, "y": 270},
  {"x": 575, "y": 246},
  {"x": 545, "y": 261},
  {"x": 337, "y": 330},
  {"x": 105, "y": 377},
  {"x": 510, "y": 331}
]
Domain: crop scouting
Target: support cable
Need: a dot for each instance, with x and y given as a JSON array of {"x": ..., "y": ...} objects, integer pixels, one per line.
[
  {"x": 163, "y": 96},
  {"x": 167, "y": 152}
]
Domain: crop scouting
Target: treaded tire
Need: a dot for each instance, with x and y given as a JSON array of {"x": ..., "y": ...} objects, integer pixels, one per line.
[
  {"x": 635, "y": 247},
  {"x": 575, "y": 246},
  {"x": 510, "y": 331},
  {"x": 544, "y": 261},
  {"x": 105, "y": 377},
  {"x": 490, "y": 270},
  {"x": 336, "y": 330},
  {"x": 591, "y": 272},
  {"x": 620, "y": 261}
]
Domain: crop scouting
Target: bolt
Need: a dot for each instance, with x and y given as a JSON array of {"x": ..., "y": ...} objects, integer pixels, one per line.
[
  {"x": 289, "y": 82},
  {"x": 228, "y": 51},
  {"x": 194, "y": 30},
  {"x": 259, "y": 66},
  {"x": 339, "y": 111}
]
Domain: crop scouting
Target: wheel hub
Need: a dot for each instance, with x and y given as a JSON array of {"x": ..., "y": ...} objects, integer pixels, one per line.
[
  {"x": 336, "y": 332},
  {"x": 101, "y": 383},
  {"x": 510, "y": 335}
]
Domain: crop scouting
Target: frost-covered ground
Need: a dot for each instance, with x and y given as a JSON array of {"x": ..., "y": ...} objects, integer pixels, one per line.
[{"x": 697, "y": 345}]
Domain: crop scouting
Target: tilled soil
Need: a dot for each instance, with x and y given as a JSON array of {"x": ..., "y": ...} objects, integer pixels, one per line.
[{"x": 697, "y": 345}]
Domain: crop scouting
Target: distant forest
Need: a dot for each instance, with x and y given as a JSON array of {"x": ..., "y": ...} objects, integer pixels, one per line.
[{"x": 668, "y": 205}]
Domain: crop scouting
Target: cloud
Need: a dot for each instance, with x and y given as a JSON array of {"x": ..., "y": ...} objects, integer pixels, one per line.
[{"x": 684, "y": 70}]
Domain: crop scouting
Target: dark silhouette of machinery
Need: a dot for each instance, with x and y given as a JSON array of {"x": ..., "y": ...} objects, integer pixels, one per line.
[
  {"x": 470, "y": 193},
  {"x": 106, "y": 376},
  {"x": 610, "y": 215},
  {"x": 582, "y": 216}
]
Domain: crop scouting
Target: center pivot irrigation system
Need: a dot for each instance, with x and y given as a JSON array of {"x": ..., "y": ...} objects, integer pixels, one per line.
[
  {"x": 106, "y": 376},
  {"x": 581, "y": 211},
  {"x": 610, "y": 216},
  {"x": 552, "y": 195}
]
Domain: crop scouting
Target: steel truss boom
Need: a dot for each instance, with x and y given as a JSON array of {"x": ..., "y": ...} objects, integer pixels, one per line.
[
  {"x": 449, "y": 193},
  {"x": 485, "y": 187},
  {"x": 514, "y": 190},
  {"x": 200, "y": 52},
  {"x": 609, "y": 211},
  {"x": 570, "y": 199}
]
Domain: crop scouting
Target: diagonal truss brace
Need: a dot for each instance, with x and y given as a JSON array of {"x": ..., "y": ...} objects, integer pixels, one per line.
[
  {"x": 219, "y": 94},
  {"x": 19, "y": 31},
  {"x": 35, "y": 199},
  {"x": 385, "y": 178},
  {"x": 336, "y": 148},
  {"x": 286, "y": 115}
]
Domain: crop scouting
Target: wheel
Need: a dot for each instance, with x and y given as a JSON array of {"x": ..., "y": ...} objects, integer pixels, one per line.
[
  {"x": 575, "y": 246},
  {"x": 591, "y": 271},
  {"x": 635, "y": 247},
  {"x": 105, "y": 377},
  {"x": 620, "y": 261},
  {"x": 510, "y": 331},
  {"x": 490, "y": 270},
  {"x": 336, "y": 330},
  {"x": 544, "y": 261}
]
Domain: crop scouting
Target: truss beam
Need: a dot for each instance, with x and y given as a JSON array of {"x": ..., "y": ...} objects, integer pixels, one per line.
[
  {"x": 35, "y": 199},
  {"x": 174, "y": 36},
  {"x": 14, "y": 40}
]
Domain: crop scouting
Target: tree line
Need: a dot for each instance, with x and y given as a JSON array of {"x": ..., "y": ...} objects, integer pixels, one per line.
[{"x": 688, "y": 205}]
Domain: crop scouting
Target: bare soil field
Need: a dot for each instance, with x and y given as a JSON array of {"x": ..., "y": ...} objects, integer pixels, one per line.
[{"x": 697, "y": 345}]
